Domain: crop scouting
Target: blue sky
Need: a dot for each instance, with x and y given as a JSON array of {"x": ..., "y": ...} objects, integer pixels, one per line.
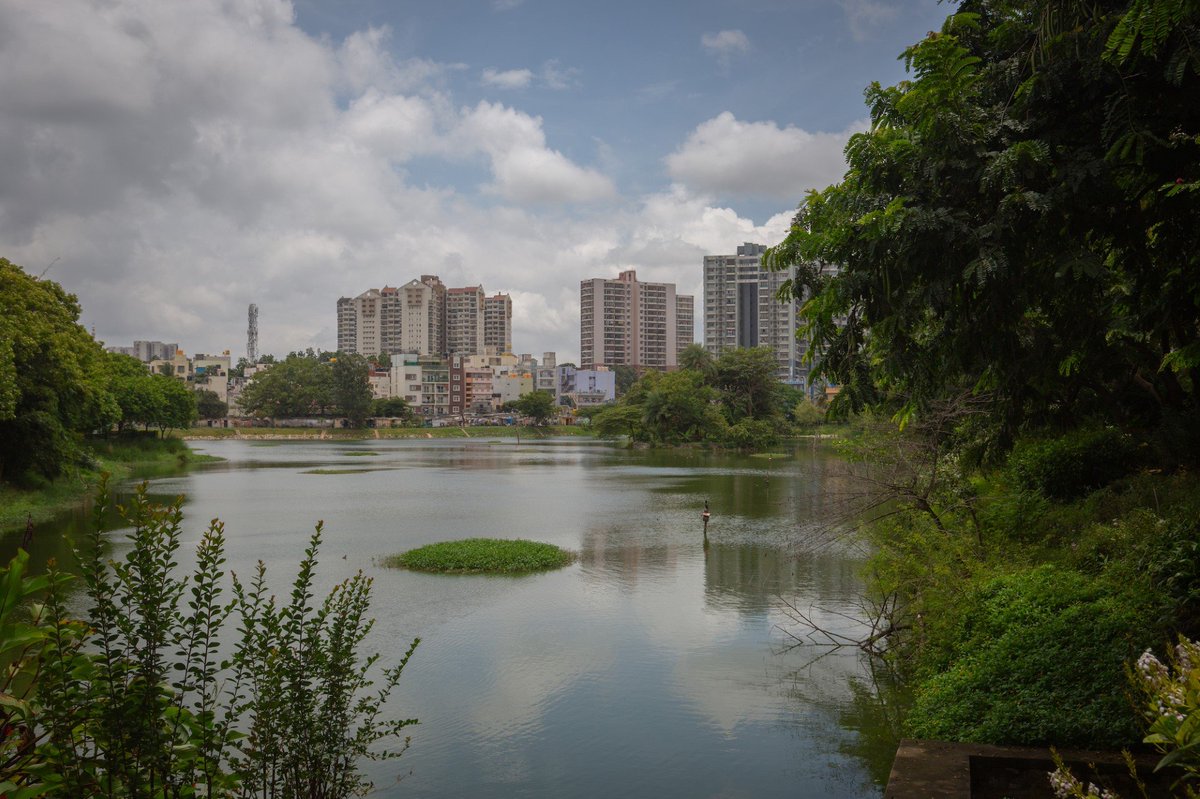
[{"x": 178, "y": 160}]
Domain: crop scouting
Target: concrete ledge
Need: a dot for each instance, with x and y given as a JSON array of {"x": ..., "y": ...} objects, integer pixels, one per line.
[{"x": 941, "y": 770}]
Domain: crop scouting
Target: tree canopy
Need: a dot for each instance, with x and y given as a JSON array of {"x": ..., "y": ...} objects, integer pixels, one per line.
[
  {"x": 735, "y": 400},
  {"x": 538, "y": 406},
  {"x": 1019, "y": 223},
  {"x": 311, "y": 384},
  {"x": 52, "y": 381}
]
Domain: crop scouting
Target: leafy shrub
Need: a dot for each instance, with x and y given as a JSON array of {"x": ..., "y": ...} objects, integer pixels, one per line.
[
  {"x": 1070, "y": 466},
  {"x": 1037, "y": 657},
  {"x": 138, "y": 699},
  {"x": 750, "y": 434}
]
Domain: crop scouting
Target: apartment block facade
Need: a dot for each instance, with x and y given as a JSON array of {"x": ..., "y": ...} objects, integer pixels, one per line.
[
  {"x": 626, "y": 322},
  {"x": 497, "y": 323},
  {"x": 465, "y": 322},
  {"x": 424, "y": 317},
  {"x": 742, "y": 309}
]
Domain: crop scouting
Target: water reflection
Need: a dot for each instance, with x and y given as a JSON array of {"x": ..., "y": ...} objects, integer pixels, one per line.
[{"x": 649, "y": 668}]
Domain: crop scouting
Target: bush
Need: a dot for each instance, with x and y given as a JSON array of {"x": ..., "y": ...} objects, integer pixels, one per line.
[
  {"x": 138, "y": 700},
  {"x": 1037, "y": 657},
  {"x": 750, "y": 434},
  {"x": 1072, "y": 465}
]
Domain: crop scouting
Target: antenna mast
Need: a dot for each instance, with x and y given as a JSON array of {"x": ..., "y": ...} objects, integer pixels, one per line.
[{"x": 252, "y": 335}]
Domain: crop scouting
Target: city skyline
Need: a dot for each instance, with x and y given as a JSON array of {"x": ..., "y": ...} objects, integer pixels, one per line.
[{"x": 175, "y": 162}]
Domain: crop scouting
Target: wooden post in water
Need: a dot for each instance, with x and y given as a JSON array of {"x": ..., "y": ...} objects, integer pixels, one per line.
[{"x": 704, "y": 517}]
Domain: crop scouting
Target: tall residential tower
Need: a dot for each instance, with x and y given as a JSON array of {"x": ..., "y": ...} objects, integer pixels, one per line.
[
  {"x": 742, "y": 309},
  {"x": 625, "y": 322}
]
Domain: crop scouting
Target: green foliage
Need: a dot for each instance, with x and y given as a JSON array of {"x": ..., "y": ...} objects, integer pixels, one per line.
[
  {"x": 393, "y": 408},
  {"x": 23, "y": 639},
  {"x": 748, "y": 385},
  {"x": 483, "y": 555},
  {"x": 1015, "y": 221},
  {"x": 1037, "y": 657},
  {"x": 679, "y": 407},
  {"x": 210, "y": 406},
  {"x": 52, "y": 384},
  {"x": 621, "y": 419},
  {"x": 1071, "y": 465},
  {"x": 750, "y": 435},
  {"x": 626, "y": 376},
  {"x": 298, "y": 386},
  {"x": 734, "y": 400},
  {"x": 350, "y": 387},
  {"x": 140, "y": 700},
  {"x": 698, "y": 359},
  {"x": 807, "y": 415},
  {"x": 537, "y": 406}
]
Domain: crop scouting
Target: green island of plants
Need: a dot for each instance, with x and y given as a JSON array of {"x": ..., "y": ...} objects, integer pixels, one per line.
[{"x": 483, "y": 556}]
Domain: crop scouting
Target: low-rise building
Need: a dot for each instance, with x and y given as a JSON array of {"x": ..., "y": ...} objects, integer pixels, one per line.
[
  {"x": 582, "y": 388},
  {"x": 511, "y": 386}
]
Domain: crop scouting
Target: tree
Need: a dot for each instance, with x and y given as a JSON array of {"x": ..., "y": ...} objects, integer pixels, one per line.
[
  {"x": 210, "y": 406},
  {"x": 680, "y": 407},
  {"x": 381, "y": 360},
  {"x": 538, "y": 406},
  {"x": 626, "y": 376},
  {"x": 619, "y": 420},
  {"x": 133, "y": 388},
  {"x": 393, "y": 408},
  {"x": 1019, "y": 221},
  {"x": 52, "y": 381},
  {"x": 748, "y": 383},
  {"x": 351, "y": 387},
  {"x": 296, "y": 387},
  {"x": 175, "y": 404},
  {"x": 698, "y": 359}
]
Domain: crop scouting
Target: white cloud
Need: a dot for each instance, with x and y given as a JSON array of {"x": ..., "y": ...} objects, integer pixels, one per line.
[
  {"x": 725, "y": 44},
  {"x": 185, "y": 159},
  {"x": 525, "y": 170},
  {"x": 555, "y": 76},
  {"x": 552, "y": 75},
  {"x": 509, "y": 79},
  {"x": 725, "y": 156},
  {"x": 866, "y": 17}
]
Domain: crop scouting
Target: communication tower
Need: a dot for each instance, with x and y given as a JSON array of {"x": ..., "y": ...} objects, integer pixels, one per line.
[{"x": 252, "y": 335}]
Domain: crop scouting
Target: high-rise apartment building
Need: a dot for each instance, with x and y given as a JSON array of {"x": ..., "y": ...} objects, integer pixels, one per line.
[
  {"x": 423, "y": 317},
  {"x": 742, "y": 309},
  {"x": 625, "y": 322},
  {"x": 464, "y": 320},
  {"x": 497, "y": 323},
  {"x": 360, "y": 324},
  {"x": 685, "y": 321}
]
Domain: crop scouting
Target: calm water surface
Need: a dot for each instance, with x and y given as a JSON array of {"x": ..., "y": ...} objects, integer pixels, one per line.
[{"x": 650, "y": 668}]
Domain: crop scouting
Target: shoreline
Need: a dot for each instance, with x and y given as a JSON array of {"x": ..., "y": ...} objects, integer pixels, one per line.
[{"x": 19, "y": 505}]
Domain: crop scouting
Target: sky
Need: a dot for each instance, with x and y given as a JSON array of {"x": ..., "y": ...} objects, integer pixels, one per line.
[{"x": 171, "y": 161}]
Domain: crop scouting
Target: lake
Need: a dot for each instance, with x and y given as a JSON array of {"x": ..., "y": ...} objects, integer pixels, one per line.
[{"x": 652, "y": 667}]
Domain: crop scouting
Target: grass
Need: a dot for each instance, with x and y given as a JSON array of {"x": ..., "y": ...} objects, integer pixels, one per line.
[
  {"x": 483, "y": 556},
  {"x": 122, "y": 457},
  {"x": 298, "y": 433}
]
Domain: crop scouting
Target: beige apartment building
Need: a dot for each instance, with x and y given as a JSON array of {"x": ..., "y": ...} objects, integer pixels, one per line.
[
  {"x": 464, "y": 320},
  {"x": 424, "y": 317},
  {"x": 497, "y": 323},
  {"x": 626, "y": 322}
]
